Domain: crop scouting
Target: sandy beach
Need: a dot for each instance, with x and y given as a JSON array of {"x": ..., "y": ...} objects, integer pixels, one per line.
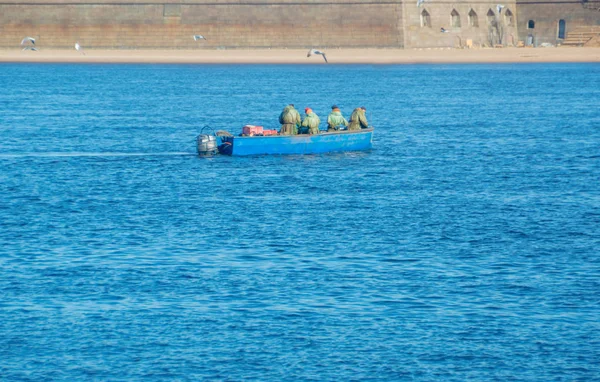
[{"x": 298, "y": 56}]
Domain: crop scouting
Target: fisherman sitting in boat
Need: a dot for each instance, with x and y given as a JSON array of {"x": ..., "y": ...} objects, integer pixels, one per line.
[
  {"x": 335, "y": 119},
  {"x": 311, "y": 122},
  {"x": 358, "y": 120},
  {"x": 290, "y": 120}
]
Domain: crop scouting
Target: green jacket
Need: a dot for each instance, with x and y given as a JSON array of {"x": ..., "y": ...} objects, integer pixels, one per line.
[
  {"x": 289, "y": 115},
  {"x": 336, "y": 119},
  {"x": 290, "y": 120},
  {"x": 311, "y": 121},
  {"x": 358, "y": 120}
]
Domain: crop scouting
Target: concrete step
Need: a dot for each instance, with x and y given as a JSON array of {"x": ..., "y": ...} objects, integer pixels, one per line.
[
  {"x": 581, "y": 35},
  {"x": 585, "y": 30},
  {"x": 570, "y": 43}
]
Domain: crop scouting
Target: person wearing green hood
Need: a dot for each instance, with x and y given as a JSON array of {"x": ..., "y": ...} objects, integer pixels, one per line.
[
  {"x": 358, "y": 120},
  {"x": 335, "y": 119},
  {"x": 290, "y": 120},
  {"x": 311, "y": 122}
]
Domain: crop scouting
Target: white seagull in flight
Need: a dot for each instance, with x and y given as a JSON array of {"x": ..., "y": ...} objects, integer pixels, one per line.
[
  {"x": 28, "y": 40},
  {"x": 28, "y": 43},
  {"x": 79, "y": 48},
  {"x": 199, "y": 37},
  {"x": 314, "y": 51},
  {"x": 499, "y": 7}
]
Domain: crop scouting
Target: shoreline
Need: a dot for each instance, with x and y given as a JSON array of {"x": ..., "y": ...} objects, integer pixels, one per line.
[{"x": 298, "y": 56}]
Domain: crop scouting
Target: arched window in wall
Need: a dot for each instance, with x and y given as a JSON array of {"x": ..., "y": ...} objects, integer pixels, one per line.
[
  {"x": 508, "y": 18},
  {"x": 473, "y": 21},
  {"x": 491, "y": 16},
  {"x": 530, "y": 24},
  {"x": 425, "y": 19},
  {"x": 455, "y": 19},
  {"x": 562, "y": 26}
]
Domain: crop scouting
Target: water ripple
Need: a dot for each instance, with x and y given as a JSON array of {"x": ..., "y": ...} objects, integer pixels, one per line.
[{"x": 464, "y": 246}]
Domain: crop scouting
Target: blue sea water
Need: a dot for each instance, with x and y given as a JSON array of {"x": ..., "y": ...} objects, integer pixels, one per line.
[{"x": 464, "y": 246}]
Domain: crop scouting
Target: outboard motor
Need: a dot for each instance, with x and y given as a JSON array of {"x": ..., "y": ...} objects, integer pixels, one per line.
[{"x": 207, "y": 145}]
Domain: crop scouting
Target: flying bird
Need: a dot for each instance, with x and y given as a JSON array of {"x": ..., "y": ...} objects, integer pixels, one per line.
[
  {"x": 28, "y": 43},
  {"x": 79, "y": 48},
  {"x": 314, "y": 51},
  {"x": 419, "y": 2},
  {"x": 199, "y": 37},
  {"x": 499, "y": 7}
]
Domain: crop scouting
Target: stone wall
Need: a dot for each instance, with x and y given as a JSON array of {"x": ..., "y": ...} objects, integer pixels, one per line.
[
  {"x": 475, "y": 20},
  {"x": 168, "y": 24},
  {"x": 547, "y": 14}
]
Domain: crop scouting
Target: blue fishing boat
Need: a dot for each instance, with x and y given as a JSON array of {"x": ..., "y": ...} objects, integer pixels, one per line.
[{"x": 344, "y": 140}]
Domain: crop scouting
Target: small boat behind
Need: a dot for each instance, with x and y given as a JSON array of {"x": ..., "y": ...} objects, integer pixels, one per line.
[{"x": 262, "y": 144}]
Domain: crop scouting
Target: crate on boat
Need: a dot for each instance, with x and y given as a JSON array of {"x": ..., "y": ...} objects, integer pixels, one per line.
[
  {"x": 269, "y": 132},
  {"x": 252, "y": 130}
]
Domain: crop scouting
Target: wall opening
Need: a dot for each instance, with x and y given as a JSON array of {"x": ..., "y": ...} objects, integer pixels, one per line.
[
  {"x": 473, "y": 21},
  {"x": 491, "y": 16},
  {"x": 425, "y": 19},
  {"x": 530, "y": 24},
  {"x": 508, "y": 18},
  {"x": 561, "y": 28},
  {"x": 455, "y": 19}
]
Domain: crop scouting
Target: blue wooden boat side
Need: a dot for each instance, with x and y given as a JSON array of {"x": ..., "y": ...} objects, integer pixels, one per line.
[{"x": 325, "y": 142}]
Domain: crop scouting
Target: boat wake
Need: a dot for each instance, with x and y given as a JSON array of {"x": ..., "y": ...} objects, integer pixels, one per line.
[{"x": 91, "y": 154}]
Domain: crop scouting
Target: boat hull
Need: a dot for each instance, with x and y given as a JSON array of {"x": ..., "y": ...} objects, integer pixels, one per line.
[{"x": 298, "y": 144}]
